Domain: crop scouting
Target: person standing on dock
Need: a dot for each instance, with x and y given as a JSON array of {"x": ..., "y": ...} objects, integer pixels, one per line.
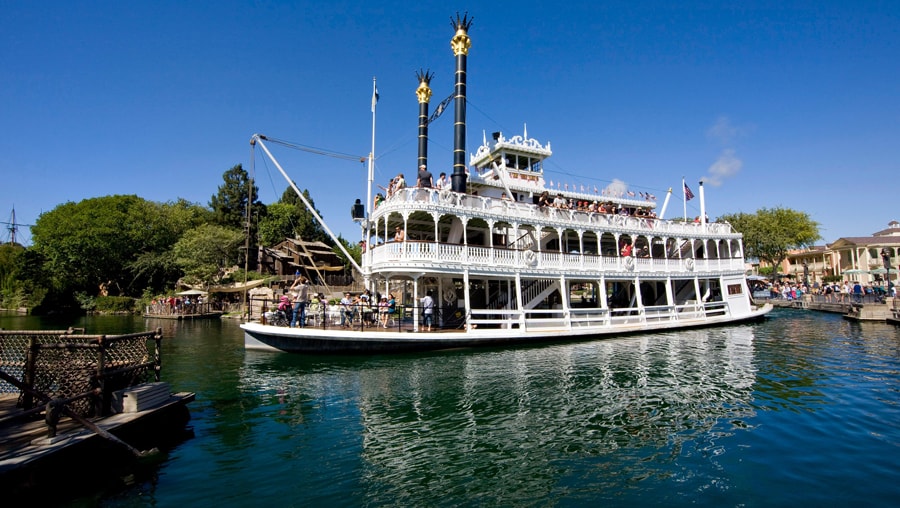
[
  {"x": 857, "y": 292},
  {"x": 300, "y": 289}
]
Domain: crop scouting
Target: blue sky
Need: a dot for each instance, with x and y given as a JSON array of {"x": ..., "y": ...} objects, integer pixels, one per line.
[{"x": 781, "y": 103}]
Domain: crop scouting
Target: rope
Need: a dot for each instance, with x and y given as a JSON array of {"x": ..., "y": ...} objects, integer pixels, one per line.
[{"x": 318, "y": 151}]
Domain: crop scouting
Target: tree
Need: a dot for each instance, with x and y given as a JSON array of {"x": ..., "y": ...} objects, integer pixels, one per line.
[
  {"x": 12, "y": 288},
  {"x": 306, "y": 226},
  {"x": 289, "y": 218},
  {"x": 206, "y": 251},
  {"x": 278, "y": 224},
  {"x": 120, "y": 242},
  {"x": 155, "y": 269},
  {"x": 229, "y": 204},
  {"x": 91, "y": 242},
  {"x": 770, "y": 234}
]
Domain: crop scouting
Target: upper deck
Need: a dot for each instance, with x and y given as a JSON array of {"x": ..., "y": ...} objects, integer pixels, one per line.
[{"x": 408, "y": 201}]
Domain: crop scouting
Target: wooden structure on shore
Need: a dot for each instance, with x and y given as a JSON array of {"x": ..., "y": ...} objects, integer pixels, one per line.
[{"x": 73, "y": 406}]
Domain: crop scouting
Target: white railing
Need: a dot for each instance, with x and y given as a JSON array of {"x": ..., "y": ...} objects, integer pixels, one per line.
[
  {"x": 399, "y": 254},
  {"x": 543, "y": 319},
  {"x": 411, "y": 199}
]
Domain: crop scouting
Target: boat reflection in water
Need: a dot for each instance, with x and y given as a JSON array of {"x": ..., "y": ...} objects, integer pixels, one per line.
[{"x": 583, "y": 421}]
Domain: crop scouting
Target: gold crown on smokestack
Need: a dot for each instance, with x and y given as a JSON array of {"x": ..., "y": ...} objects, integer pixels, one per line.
[{"x": 460, "y": 43}]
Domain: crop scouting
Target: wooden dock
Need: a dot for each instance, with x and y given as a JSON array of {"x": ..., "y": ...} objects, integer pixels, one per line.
[
  {"x": 80, "y": 409},
  {"x": 76, "y": 456},
  {"x": 852, "y": 310}
]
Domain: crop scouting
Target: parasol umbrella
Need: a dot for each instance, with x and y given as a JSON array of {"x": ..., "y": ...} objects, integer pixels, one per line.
[{"x": 191, "y": 292}]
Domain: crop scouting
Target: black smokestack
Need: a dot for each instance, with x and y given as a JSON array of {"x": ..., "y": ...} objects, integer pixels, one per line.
[
  {"x": 423, "y": 93},
  {"x": 460, "y": 44}
]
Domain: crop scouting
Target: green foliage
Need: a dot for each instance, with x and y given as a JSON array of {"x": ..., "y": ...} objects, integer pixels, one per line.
[
  {"x": 229, "y": 204},
  {"x": 114, "y": 304},
  {"x": 239, "y": 275},
  {"x": 278, "y": 224},
  {"x": 289, "y": 218},
  {"x": 85, "y": 301},
  {"x": 12, "y": 291},
  {"x": 354, "y": 249},
  {"x": 204, "y": 252},
  {"x": 119, "y": 241},
  {"x": 770, "y": 234}
]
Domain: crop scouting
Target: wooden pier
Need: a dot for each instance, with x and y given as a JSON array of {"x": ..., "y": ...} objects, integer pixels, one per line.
[
  {"x": 865, "y": 310},
  {"x": 76, "y": 409}
]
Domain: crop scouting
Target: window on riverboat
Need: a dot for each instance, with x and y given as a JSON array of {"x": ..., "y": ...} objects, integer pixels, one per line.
[{"x": 735, "y": 289}]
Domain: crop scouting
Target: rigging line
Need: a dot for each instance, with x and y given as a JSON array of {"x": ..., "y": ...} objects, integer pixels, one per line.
[
  {"x": 271, "y": 181},
  {"x": 317, "y": 151},
  {"x": 278, "y": 198},
  {"x": 475, "y": 107}
]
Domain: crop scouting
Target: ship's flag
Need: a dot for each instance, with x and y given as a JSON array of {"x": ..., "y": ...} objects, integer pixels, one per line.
[
  {"x": 688, "y": 195},
  {"x": 441, "y": 107},
  {"x": 374, "y": 97},
  {"x": 631, "y": 193}
]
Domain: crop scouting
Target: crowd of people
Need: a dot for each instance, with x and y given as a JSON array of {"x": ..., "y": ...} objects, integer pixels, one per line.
[
  {"x": 425, "y": 180},
  {"x": 364, "y": 310},
  {"x": 561, "y": 202},
  {"x": 831, "y": 292}
]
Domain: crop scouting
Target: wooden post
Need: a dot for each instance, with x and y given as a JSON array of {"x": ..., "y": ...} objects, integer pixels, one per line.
[
  {"x": 100, "y": 401},
  {"x": 157, "y": 354},
  {"x": 28, "y": 373}
]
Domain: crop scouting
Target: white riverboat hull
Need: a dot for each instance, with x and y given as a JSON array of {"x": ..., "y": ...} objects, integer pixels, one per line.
[{"x": 311, "y": 340}]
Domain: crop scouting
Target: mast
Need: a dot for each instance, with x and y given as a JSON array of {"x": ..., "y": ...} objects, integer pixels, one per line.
[
  {"x": 12, "y": 228},
  {"x": 247, "y": 235},
  {"x": 662, "y": 213},
  {"x": 460, "y": 44},
  {"x": 367, "y": 227},
  {"x": 423, "y": 93}
]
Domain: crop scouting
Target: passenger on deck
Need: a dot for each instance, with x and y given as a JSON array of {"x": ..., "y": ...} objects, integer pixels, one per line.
[
  {"x": 383, "y": 311},
  {"x": 424, "y": 178},
  {"x": 346, "y": 311},
  {"x": 398, "y": 234},
  {"x": 443, "y": 182},
  {"x": 544, "y": 199},
  {"x": 399, "y": 183}
]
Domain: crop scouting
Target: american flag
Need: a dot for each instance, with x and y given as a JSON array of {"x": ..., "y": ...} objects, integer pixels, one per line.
[{"x": 688, "y": 195}]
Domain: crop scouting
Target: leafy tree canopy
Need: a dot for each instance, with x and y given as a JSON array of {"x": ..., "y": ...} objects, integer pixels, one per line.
[
  {"x": 278, "y": 224},
  {"x": 204, "y": 253},
  {"x": 305, "y": 224},
  {"x": 110, "y": 240},
  {"x": 229, "y": 204},
  {"x": 770, "y": 234},
  {"x": 289, "y": 218}
]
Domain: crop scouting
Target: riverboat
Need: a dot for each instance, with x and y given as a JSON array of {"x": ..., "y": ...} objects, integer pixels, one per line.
[{"x": 508, "y": 258}]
